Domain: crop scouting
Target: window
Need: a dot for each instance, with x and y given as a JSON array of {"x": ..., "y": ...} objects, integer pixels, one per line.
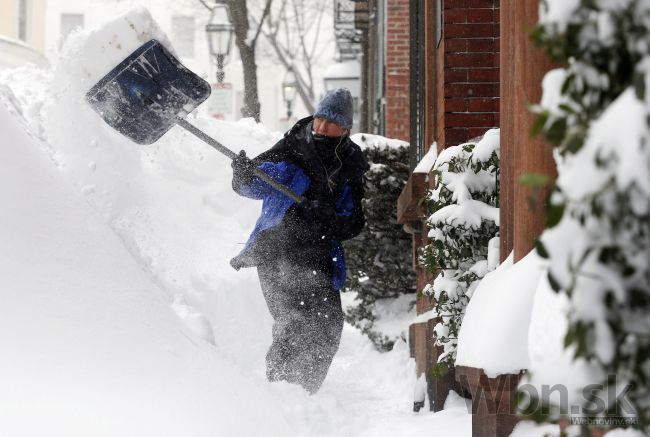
[
  {"x": 417, "y": 80},
  {"x": 69, "y": 22},
  {"x": 22, "y": 20},
  {"x": 183, "y": 35}
]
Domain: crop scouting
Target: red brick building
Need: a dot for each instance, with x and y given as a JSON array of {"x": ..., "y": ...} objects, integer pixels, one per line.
[
  {"x": 397, "y": 120},
  {"x": 446, "y": 71}
]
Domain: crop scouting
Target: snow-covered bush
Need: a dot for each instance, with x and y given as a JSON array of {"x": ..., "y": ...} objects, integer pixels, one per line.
[
  {"x": 596, "y": 111},
  {"x": 463, "y": 216},
  {"x": 379, "y": 259}
]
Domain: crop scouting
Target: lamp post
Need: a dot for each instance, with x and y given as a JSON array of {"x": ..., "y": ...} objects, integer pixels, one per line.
[
  {"x": 220, "y": 31},
  {"x": 289, "y": 90}
]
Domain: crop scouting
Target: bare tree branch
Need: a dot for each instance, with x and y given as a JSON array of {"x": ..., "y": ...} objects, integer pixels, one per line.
[
  {"x": 206, "y": 5},
  {"x": 303, "y": 89},
  {"x": 239, "y": 13},
  {"x": 293, "y": 32},
  {"x": 303, "y": 46},
  {"x": 265, "y": 13}
]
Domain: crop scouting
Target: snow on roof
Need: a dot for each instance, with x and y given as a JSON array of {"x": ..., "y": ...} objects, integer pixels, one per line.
[
  {"x": 343, "y": 70},
  {"x": 87, "y": 329}
]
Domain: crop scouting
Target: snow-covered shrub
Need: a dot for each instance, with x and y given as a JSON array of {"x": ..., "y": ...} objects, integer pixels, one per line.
[
  {"x": 463, "y": 216},
  {"x": 379, "y": 259},
  {"x": 596, "y": 111}
]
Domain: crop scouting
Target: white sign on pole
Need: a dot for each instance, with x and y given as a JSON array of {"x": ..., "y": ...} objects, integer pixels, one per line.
[{"x": 220, "y": 101}]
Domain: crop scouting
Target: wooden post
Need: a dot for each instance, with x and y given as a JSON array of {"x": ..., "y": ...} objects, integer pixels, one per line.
[{"x": 523, "y": 66}]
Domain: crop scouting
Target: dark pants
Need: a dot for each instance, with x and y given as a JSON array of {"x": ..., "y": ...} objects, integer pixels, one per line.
[{"x": 308, "y": 322}]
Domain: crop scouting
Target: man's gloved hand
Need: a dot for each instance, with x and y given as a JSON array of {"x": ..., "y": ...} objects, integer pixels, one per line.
[
  {"x": 318, "y": 211},
  {"x": 242, "y": 165}
]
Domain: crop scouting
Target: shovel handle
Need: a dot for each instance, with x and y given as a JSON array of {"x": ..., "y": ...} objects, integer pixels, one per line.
[
  {"x": 232, "y": 155},
  {"x": 205, "y": 137}
]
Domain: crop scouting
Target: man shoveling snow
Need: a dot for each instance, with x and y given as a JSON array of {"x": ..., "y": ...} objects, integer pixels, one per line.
[
  {"x": 297, "y": 247},
  {"x": 311, "y": 184}
]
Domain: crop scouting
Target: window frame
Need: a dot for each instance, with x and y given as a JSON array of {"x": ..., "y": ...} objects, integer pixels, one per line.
[{"x": 22, "y": 20}]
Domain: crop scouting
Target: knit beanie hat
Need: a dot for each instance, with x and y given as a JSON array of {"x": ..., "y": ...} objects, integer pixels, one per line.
[{"x": 336, "y": 106}]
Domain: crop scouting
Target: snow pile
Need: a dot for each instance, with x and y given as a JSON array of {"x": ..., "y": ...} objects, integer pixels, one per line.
[
  {"x": 88, "y": 55},
  {"x": 170, "y": 202},
  {"x": 494, "y": 333},
  {"x": 90, "y": 341}
]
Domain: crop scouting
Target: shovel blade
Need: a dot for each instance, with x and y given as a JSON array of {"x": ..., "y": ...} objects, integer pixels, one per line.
[{"x": 145, "y": 94}]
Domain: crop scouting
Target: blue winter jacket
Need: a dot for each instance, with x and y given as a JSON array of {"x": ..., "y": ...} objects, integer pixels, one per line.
[{"x": 280, "y": 232}]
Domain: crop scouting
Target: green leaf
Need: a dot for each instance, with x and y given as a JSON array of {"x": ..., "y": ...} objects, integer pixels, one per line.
[
  {"x": 556, "y": 132},
  {"x": 573, "y": 143},
  {"x": 567, "y": 83},
  {"x": 439, "y": 369},
  {"x": 555, "y": 285},
  {"x": 539, "y": 123},
  {"x": 566, "y": 108},
  {"x": 570, "y": 337},
  {"x": 534, "y": 180},
  {"x": 554, "y": 213},
  {"x": 628, "y": 271},
  {"x": 639, "y": 85},
  {"x": 541, "y": 249}
]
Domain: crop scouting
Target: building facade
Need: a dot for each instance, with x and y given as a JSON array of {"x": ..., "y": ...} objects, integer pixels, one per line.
[{"x": 440, "y": 73}]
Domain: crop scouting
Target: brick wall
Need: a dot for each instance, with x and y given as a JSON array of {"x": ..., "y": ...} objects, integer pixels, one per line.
[
  {"x": 468, "y": 66},
  {"x": 397, "y": 70}
]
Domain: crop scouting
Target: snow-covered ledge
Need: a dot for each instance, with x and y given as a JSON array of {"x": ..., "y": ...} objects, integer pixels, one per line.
[
  {"x": 494, "y": 333},
  {"x": 492, "y": 349}
]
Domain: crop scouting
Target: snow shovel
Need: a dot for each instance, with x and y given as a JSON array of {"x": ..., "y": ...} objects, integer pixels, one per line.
[{"x": 151, "y": 91}]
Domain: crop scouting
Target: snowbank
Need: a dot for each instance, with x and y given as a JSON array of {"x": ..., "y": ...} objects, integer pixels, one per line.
[
  {"x": 171, "y": 202},
  {"x": 494, "y": 333},
  {"x": 96, "y": 349}
]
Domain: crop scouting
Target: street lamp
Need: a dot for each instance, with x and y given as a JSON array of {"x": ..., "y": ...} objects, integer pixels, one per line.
[
  {"x": 289, "y": 89},
  {"x": 220, "y": 31}
]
